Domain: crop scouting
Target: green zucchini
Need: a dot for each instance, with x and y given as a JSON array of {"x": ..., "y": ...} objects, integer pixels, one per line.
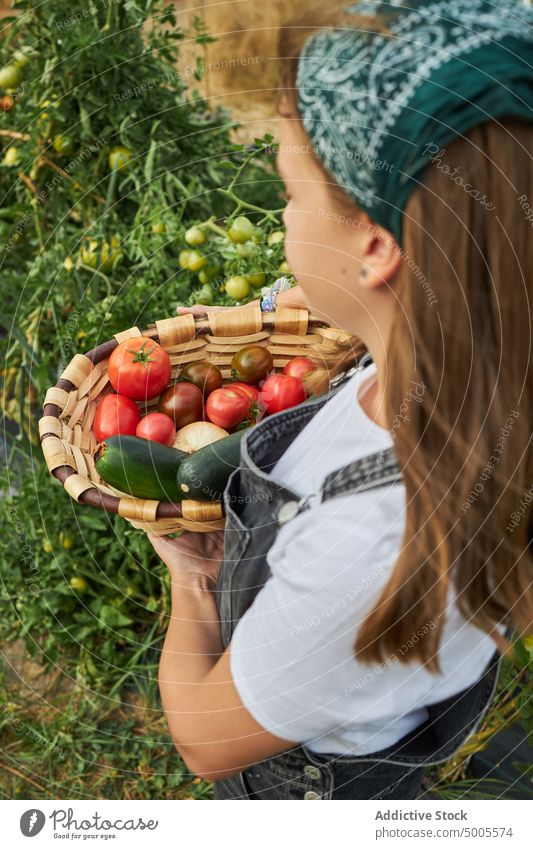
[
  {"x": 141, "y": 467},
  {"x": 203, "y": 475}
]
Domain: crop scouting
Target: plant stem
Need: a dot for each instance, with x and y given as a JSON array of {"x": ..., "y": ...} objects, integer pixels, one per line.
[{"x": 243, "y": 204}]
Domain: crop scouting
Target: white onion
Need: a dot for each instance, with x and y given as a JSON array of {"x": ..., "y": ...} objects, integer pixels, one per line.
[{"x": 198, "y": 434}]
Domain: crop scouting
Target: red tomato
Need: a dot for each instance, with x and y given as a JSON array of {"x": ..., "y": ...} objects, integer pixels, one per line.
[
  {"x": 300, "y": 367},
  {"x": 226, "y": 407},
  {"x": 139, "y": 368},
  {"x": 157, "y": 427},
  {"x": 280, "y": 392},
  {"x": 183, "y": 402},
  {"x": 251, "y": 392},
  {"x": 115, "y": 414}
]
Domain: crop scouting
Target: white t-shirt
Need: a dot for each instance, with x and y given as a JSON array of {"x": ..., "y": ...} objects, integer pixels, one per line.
[{"x": 292, "y": 655}]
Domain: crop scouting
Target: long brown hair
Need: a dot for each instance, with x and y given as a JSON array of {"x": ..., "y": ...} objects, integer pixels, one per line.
[{"x": 460, "y": 367}]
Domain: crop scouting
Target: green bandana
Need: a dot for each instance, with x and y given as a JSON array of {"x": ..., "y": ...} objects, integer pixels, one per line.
[{"x": 377, "y": 108}]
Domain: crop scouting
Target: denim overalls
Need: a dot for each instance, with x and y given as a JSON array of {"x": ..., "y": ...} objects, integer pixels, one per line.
[{"x": 256, "y": 506}]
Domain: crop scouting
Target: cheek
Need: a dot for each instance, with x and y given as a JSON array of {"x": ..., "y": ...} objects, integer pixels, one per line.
[{"x": 304, "y": 237}]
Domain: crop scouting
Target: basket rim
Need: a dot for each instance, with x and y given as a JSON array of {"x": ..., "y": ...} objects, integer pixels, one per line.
[{"x": 92, "y": 496}]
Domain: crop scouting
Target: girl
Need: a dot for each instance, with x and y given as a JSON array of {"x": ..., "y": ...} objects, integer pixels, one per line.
[{"x": 345, "y": 630}]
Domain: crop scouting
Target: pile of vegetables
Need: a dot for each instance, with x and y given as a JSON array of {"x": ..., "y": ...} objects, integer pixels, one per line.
[{"x": 152, "y": 456}]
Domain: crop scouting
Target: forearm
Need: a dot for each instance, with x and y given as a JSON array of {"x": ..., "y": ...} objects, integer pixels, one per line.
[{"x": 193, "y": 645}]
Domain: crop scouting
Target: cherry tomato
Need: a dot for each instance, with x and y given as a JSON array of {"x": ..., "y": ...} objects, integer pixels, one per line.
[
  {"x": 204, "y": 375},
  {"x": 247, "y": 250},
  {"x": 252, "y": 364},
  {"x": 300, "y": 367},
  {"x": 139, "y": 368},
  {"x": 11, "y": 157},
  {"x": 115, "y": 414},
  {"x": 251, "y": 392},
  {"x": 119, "y": 158},
  {"x": 280, "y": 392},
  {"x": 63, "y": 144},
  {"x": 158, "y": 427},
  {"x": 226, "y": 407},
  {"x": 256, "y": 278},
  {"x": 240, "y": 230},
  {"x": 275, "y": 237},
  {"x": 237, "y": 287},
  {"x": 66, "y": 541},
  {"x": 6, "y": 103},
  {"x": 195, "y": 236},
  {"x": 10, "y": 77},
  {"x": 192, "y": 260},
  {"x": 183, "y": 402},
  {"x": 79, "y": 583}
]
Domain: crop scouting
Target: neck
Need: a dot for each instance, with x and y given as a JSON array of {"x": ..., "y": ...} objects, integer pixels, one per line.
[{"x": 373, "y": 399}]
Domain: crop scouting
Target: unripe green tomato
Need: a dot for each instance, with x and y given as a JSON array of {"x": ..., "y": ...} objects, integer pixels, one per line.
[
  {"x": 246, "y": 251},
  {"x": 240, "y": 230},
  {"x": 158, "y": 228},
  {"x": 196, "y": 261},
  {"x": 209, "y": 271},
  {"x": 10, "y": 77},
  {"x": 256, "y": 278},
  {"x": 21, "y": 58},
  {"x": 276, "y": 237},
  {"x": 63, "y": 144},
  {"x": 195, "y": 236},
  {"x": 257, "y": 236},
  {"x": 47, "y": 546},
  {"x": 119, "y": 157},
  {"x": 66, "y": 541},
  {"x": 204, "y": 296},
  {"x": 183, "y": 258},
  {"x": 284, "y": 267},
  {"x": 237, "y": 287},
  {"x": 11, "y": 157},
  {"x": 78, "y": 583}
]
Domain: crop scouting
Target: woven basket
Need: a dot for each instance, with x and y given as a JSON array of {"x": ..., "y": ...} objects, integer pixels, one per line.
[{"x": 68, "y": 441}]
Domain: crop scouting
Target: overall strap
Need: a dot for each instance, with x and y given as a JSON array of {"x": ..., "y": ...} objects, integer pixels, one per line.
[{"x": 371, "y": 472}]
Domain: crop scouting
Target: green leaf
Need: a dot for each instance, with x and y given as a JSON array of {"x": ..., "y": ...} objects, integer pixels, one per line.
[{"x": 113, "y": 618}]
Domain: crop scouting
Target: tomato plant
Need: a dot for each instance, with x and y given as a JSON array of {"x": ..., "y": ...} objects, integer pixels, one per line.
[
  {"x": 252, "y": 364},
  {"x": 279, "y": 392},
  {"x": 226, "y": 407},
  {"x": 183, "y": 403},
  {"x": 139, "y": 368},
  {"x": 158, "y": 427},
  {"x": 115, "y": 414},
  {"x": 206, "y": 376}
]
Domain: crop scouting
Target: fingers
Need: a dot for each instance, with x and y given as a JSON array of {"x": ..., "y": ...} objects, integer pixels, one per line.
[{"x": 198, "y": 310}]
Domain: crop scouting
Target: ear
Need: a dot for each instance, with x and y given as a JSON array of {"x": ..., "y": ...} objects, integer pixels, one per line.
[{"x": 381, "y": 257}]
